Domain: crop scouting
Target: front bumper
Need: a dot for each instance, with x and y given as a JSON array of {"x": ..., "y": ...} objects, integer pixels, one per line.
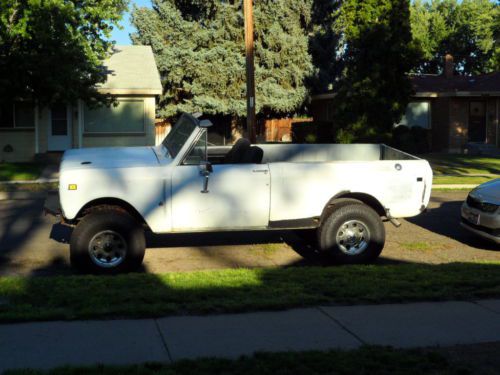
[
  {"x": 52, "y": 204},
  {"x": 486, "y": 225}
]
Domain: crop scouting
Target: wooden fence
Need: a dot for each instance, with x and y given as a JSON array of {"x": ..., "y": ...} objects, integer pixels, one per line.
[
  {"x": 162, "y": 128},
  {"x": 280, "y": 130},
  {"x": 270, "y": 130}
]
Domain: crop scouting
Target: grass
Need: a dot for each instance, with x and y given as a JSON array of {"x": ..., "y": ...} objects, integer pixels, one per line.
[
  {"x": 238, "y": 290},
  {"x": 270, "y": 248},
  {"x": 366, "y": 360},
  {"x": 20, "y": 171},
  {"x": 420, "y": 246},
  {"x": 455, "y": 164},
  {"x": 463, "y": 169}
]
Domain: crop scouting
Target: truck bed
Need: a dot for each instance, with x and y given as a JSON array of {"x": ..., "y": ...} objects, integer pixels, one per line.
[{"x": 304, "y": 153}]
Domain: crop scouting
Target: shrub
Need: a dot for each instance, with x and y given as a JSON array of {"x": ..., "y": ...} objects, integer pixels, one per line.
[{"x": 414, "y": 140}]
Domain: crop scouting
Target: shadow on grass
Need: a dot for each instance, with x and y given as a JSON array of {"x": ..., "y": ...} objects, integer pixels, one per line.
[
  {"x": 372, "y": 360},
  {"x": 462, "y": 165},
  {"x": 141, "y": 295}
]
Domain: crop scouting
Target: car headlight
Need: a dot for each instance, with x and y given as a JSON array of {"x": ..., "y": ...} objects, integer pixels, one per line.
[
  {"x": 480, "y": 205},
  {"x": 489, "y": 207}
]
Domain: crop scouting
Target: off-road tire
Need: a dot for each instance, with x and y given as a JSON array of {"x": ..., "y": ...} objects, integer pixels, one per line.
[
  {"x": 99, "y": 221},
  {"x": 348, "y": 213}
]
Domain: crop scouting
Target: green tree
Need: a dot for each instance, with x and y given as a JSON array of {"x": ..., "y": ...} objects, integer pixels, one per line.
[
  {"x": 377, "y": 52},
  {"x": 199, "y": 50},
  {"x": 324, "y": 45},
  {"x": 469, "y": 30},
  {"x": 52, "y": 50}
]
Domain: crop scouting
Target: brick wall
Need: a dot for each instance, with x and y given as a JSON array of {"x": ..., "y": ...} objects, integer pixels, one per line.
[
  {"x": 491, "y": 121},
  {"x": 459, "y": 123}
]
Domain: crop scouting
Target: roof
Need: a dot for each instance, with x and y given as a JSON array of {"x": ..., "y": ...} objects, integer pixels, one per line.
[
  {"x": 439, "y": 85},
  {"x": 132, "y": 70}
]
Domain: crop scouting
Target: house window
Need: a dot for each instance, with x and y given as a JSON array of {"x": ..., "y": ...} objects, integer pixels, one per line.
[
  {"x": 417, "y": 114},
  {"x": 126, "y": 116},
  {"x": 59, "y": 117},
  {"x": 19, "y": 115}
]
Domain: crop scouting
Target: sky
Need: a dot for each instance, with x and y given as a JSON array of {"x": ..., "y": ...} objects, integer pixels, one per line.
[{"x": 122, "y": 36}]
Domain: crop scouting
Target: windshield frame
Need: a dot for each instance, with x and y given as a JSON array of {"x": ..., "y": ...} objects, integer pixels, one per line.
[{"x": 174, "y": 149}]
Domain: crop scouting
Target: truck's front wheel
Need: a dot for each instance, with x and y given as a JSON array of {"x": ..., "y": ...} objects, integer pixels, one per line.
[
  {"x": 107, "y": 241},
  {"x": 352, "y": 234}
]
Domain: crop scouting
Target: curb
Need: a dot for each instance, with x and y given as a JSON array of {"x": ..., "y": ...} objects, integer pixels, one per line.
[
  {"x": 22, "y": 195},
  {"x": 30, "y": 182},
  {"x": 455, "y": 186}
]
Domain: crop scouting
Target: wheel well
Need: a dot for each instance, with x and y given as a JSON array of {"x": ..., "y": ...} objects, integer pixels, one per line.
[
  {"x": 355, "y": 197},
  {"x": 113, "y": 204}
]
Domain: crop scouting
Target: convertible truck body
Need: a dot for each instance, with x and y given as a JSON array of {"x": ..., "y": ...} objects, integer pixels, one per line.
[
  {"x": 185, "y": 185},
  {"x": 294, "y": 183}
]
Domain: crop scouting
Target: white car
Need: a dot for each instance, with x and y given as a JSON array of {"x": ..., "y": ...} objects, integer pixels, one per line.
[
  {"x": 481, "y": 211},
  {"x": 343, "y": 192}
]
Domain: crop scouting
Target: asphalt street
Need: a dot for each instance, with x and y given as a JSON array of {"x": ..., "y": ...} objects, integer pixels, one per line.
[{"x": 33, "y": 244}]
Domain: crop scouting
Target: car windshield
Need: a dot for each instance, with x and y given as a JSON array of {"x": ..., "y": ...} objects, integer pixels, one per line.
[{"x": 179, "y": 135}]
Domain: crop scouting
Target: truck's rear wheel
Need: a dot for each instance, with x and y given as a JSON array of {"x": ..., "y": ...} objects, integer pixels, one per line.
[
  {"x": 352, "y": 234},
  {"x": 107, "y": 241}
]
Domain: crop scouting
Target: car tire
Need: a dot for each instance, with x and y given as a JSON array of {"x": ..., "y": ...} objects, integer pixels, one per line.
[
  {"x": 352, "y": 234},
  {"x": 107, "y": 242}
]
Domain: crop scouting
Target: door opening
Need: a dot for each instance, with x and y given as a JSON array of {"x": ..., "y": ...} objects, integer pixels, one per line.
[{"x": 477, "y": 121}]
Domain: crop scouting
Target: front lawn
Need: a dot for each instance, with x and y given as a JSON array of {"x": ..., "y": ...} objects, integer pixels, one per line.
[
  {"x": 463, "y": 169},
  {"x": 238, "y": 290},
  {"x": 367, "y": 360},
  {"x": 20, "y": 171}
]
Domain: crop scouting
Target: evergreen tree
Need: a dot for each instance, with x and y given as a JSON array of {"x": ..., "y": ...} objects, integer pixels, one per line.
[
  {"x": 199, "y": 49},
  {"x": 324, "y": 45}
]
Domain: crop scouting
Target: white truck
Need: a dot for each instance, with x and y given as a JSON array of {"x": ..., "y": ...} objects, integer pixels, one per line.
[{"x": 342, "y": 193}]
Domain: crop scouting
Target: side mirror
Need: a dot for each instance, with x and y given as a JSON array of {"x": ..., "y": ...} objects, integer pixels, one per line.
[{"x": 206, "y": 167}]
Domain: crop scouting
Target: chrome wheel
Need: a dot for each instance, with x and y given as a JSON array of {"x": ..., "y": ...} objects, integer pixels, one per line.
[
  {"x": 107, "y": 249},
  {"x": 353, "y": 237}
]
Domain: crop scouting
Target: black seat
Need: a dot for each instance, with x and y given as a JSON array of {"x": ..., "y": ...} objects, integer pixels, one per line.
[
  {"x": 254, "y": 155},
  {"x": 237, "y": 152}
]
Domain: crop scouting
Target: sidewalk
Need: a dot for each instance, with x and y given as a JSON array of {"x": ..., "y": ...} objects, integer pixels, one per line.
[{"x": 121, "y": 342}]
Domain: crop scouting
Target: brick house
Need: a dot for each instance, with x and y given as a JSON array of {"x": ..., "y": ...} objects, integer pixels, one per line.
[{"x": 460, "y": 112}]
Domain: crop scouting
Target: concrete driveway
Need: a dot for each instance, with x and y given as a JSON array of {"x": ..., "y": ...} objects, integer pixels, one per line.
[{"x": 435, "y": 237}]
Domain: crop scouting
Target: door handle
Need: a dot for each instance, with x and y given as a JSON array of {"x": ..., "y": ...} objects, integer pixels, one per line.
[
  {"x": 260, "y": 171},
  {"x": 205, "y": 184}
]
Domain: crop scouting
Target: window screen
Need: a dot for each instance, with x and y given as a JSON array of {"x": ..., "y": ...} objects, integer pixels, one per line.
[
  {"x": 125, "y": 117},
  {"x": 6, "y": 115},
  {"x": 417, "y": 114},
  {"x": 59, "y": 119}
]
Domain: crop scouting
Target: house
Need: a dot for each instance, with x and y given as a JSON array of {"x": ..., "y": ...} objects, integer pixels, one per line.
[
  {"x": 460, "y": 111},
  {"x": 133, "y": 80}
]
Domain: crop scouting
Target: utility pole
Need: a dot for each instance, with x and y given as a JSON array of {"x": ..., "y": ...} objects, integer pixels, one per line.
[{"x": 249, "y": 51}]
